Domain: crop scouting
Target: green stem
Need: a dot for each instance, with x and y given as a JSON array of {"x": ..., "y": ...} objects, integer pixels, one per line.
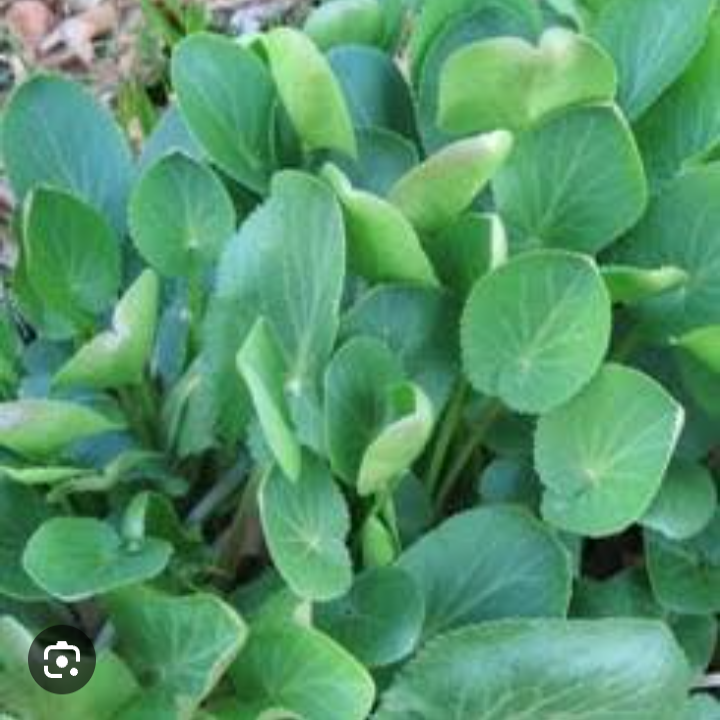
[
  {"x": 453, "y": 416},
  {"x": 490, "y": 415}
]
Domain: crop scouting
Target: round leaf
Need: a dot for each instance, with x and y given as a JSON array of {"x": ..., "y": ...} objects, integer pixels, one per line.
[
  {"x": 602, "y": 456},
  {"x": 346, "y": 22},
  {"x": 536, "y": 329}
]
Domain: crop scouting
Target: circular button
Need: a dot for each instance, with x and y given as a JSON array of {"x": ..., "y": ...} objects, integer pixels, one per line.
[{"x": 62, "y": 659}]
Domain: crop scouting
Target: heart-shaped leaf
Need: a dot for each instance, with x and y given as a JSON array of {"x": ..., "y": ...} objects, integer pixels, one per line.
[
  {"x": 630, "y": 285},
  {"x": 575, "y": 180},
  {"x": 379, "y": 621},
  {"x": 227, "y": 98},
  {"x": 437, "y": 191},
  {"x": 81, "y": 151},
  {"x": 261, "y": 365},
  {"x": 602, "y": 456},
  {"x": 523, "y": 572},
  {"x": 521, "y": 83},
  {"x": 72, "y": 257},
  {"x": 43, "y": 428},
  {"x": 76, "y": 558},
  {"x": 545, "y": 669},
  {"x": 536, "y": 329},
  {"x": 181, "y": 216},
  {"x": 305, "y": 525},
  {"x": 119, "y": 356},
  {"x": 382, "y": 244},
  {"x": 309, "y": 91}
]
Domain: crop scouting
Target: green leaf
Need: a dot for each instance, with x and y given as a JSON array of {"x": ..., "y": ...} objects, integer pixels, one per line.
[
  {"x": 54, "y": 133},
  {"x": 375, "y": 90},
  {"x": 293, "y": 671},
  {"x": 379, "y": 621},
  {"x": 521, "y": 83},
  {"x": 72, "y": 257},
  {"x": 685, "y": 576},
  {"x": 378, "y": 545},
  {"x": 686, "y": 502},
  {"x": 651, "y": 41},
  {"x": 305, "y": 526},
  {"x": 629, "y": 285},
  {"x": 42, "y": 475},
  {"x": 536, "y": 329},
  {"x": 119, "y": 356},
  {"x": 261, "y": 365},
  {"x": 43, "y": 428},
  {"x": 704, "y": 345},
  {"x": 183, "y": 645},
  {"x": 309, "y": 91},
  {"x": 440, "y": 189},
  {"x": 419, "y": 325},
  {"x": 382, "y": 245},
  {"x": 346, "y": 22},
  {"x": 684, "y": 124},
  {"x": 462, "y": 253},
  {"x": 228, "y": 100},
  {"x": 487, "y": 564},
  {"x": 602, "y": 456},
  {"x": 22, "y": 511},
  {"x": 170, "y": 135},
  {"x": 688, "y": 208},
  {"x": 74, "y": 559},
  {"x": 181, "y": 216},
  {"x": 545, "y": 669},
  {"x": 575, "y": 180}
]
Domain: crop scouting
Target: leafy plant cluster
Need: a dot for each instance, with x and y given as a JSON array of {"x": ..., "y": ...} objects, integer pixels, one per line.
[{"x": 374, "y": 385}]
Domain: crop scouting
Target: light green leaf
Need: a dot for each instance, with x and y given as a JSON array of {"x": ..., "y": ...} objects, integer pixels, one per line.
[
  {"x": 511, "y": 566},
  {"x": 54, "y": 133},
  {"x": 688, "y": 208},
  {"x": 576, "y": 181},
  {"x": 521, "y": 82},
  {"x": 704, "y": 345},
  {"x": 72, "y": 257},
  {"x": 305, "y": 526},
  {"x": 346, "y": 22},
  {"x": 382, "y": 245},
  {"x": 651, "y": 42},
  {"x": 379, "y": 621},
  {"x": 545, "y": 669},
  {"x": 378, "y": 545},
  {"x": 602, "y": 456},
  {"x": 440, "y": 189},
  {"x": 262, "y": 368},
  {"x": 685, "y": 576},
  {"x": 43, "y": 428},
  {"x": 290, "y": 671},
  {"x": 536, "y": 329},
  {"x": 42, "y": 475},
  {"x": 181, "y": 216},
  {"x": 309, "y": 91},
  {"x": 227, "y": 98},
  {"x": 684, "y": 124},
  {"x": 629, "y": 285},
  {"x": 120, "y": 355},
  {"x": 183, "y": 644},
  {"x": 74, "y": 559},
  {"x": 686, "y": 502}
]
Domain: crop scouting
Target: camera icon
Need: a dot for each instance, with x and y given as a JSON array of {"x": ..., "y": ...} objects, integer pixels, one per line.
[{"x": 61, "y": 660}]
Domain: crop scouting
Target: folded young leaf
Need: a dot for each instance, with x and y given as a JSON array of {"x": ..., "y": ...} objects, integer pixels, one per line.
[
  {"x": 575, "y": 181},
  {"x": 704, "y": 345},
  {"x": 346, "y": 22},
  {"x": 535, "y": 330},
  {"x": 488, "y": 564},
  {"x": 602, "y": 456},
  {"x": 262, "y": 367},
  {"x": 545, "y": 669},
  {"x": 56, "y": 134},
  {"x": 75, "y": 558},
  {"x": 521, "y": 83},
  {"x": 43, "y": 428},
  {"x": 629, "y": 285},
  {"x": 436, "y": 192},
  {"x": 306, "y": 524},
  {"x": 309, "y": 91},
  {"x": 180, "y": 216},
  {"x": 227, "y": 98},
  {"x": 119, "y": 356}
]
